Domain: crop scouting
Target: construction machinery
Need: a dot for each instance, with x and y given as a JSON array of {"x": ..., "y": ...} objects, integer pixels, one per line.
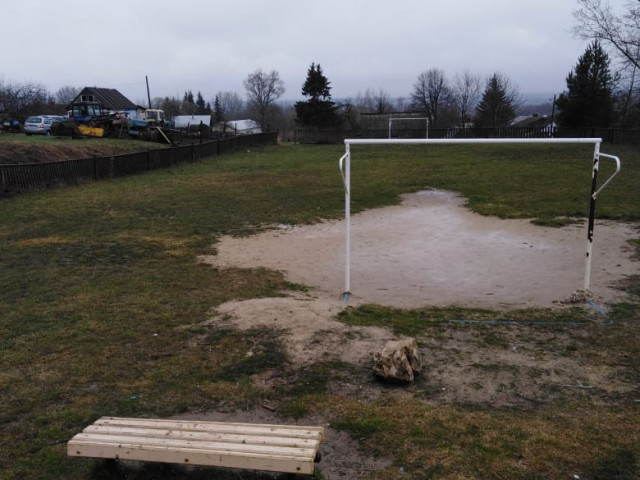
[{"x": 87, "y": 118}]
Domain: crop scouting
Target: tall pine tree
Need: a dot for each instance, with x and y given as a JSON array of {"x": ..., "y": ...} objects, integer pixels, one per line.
[
  {"x": 498, "y": 103},
  {"x": 318, "y": 111},
  {"x": 218, "y": 114},
  {"x": 588, "y": 101}
]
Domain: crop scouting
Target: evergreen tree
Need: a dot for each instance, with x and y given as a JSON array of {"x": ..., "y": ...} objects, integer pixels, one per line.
[
  {"x": 498, "y": 103},
  {"x": 588, "y": 101},
  {"x": 217, "y": 110},
  {"x": 188, "y": 105},
  {"x": 318, "y": 111},
  {"x": 316, "y": 86},
  {"x": 201, "y": 107}
]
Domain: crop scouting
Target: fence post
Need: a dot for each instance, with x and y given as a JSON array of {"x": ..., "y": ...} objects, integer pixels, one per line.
[
  {"x": 112, "y": 167},
  {"x": 191, "y": 151},
  {"x": 95, "y": 168}
]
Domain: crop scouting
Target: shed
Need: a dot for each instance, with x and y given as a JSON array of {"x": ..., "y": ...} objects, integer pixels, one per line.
[
  {"x": 185, "y": 121},
  {"x": 243, "y": 127}
]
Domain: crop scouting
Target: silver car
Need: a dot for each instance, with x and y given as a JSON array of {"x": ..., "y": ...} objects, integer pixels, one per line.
[{"x": 40, "y": 125}]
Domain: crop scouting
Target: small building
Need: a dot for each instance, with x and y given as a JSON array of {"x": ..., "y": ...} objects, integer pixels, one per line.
[
  {"x": 109, "y": 99},
  {"x": 242, "y": 127},
  {"x": 94, "y": 101},
  {"x": 534, "y": 120},
  {"x": 535, "y": 125},
  {"x": 186, "y": 121}
]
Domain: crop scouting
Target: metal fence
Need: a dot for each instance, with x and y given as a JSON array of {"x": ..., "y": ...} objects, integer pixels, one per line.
[
  {"x": 24, "y": 178},
  {"x": 609, "y": 135}
]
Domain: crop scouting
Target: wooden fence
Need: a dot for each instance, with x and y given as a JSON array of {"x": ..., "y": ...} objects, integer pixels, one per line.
[
  {"x": 24, "y": 178},
  {"x": 607, "y": 134}
]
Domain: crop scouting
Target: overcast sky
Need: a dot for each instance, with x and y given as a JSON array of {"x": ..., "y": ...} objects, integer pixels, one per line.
[{"x": 212, "y": 45}]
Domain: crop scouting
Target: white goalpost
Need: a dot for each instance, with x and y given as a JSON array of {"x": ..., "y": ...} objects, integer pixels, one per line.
[
  {"x": 345, "y": 171},
  {"x": 405, "y": 119}
]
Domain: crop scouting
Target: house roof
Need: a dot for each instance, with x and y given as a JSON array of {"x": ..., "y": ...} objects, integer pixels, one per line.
[
  {"x": 534, "y": 120},
  {"x": 243, "y": 124},
  {"x": 108, "y": 98},
  {"x": 186, "y": 120}
]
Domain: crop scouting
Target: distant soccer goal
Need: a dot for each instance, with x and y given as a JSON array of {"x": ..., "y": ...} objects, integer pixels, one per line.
[
  {"x": 345, "y": 170},
  {"x": 416, "y": 125}
]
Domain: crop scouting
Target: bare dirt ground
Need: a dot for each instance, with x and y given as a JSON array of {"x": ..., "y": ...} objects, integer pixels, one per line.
[{"x": 432, "y": 251}]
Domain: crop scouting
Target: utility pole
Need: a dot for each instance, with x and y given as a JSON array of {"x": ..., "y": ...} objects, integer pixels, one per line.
[
  {"x": 148, "y": 94},
  {"x": 553, "y": 114}
]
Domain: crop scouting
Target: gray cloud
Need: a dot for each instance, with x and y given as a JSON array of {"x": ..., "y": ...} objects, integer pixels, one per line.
[{"x": 210, "y": 46}]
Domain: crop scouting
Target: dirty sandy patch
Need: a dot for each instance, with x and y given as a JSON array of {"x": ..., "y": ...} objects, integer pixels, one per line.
[
  {"x": 432, "y": 251},
  {"x": 311, "y": 332}
]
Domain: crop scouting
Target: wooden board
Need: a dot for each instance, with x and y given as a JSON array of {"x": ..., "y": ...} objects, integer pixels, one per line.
[{"x": 279, "y": 448}]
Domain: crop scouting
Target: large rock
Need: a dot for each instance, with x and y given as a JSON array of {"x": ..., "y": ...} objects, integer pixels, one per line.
[{"x": 398, "y": 362}]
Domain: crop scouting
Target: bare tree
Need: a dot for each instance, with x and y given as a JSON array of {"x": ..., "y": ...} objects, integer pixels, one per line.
[
  {"x": 66, "y": 94},
  {"x": 22, "y": 98},
  {"x": 432, "y": 95},
  {"x": 171, "y": 106},
  {"x": 597, "y": 20},
  {"x": 232, "y": 107},
  {"x": 382, "y": 102},
  {"x": 466, "y": 93},
  {"x": 262, "y": 90},
  {"x": 364, "y": 102}
]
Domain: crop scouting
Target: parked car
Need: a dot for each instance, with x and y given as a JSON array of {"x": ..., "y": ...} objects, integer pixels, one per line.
[
  {"x": 40, "y": 125},
  {"x": 10, "y": 125}
]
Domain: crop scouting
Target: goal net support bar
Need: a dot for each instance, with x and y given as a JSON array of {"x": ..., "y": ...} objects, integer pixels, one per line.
[{"x": 345, "y": 170}]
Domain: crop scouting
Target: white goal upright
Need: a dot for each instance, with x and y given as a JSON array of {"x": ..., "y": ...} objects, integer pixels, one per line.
[{"x": 345, "y": 170}]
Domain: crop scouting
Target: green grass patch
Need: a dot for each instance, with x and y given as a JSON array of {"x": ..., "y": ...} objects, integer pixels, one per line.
[{"x": 418, "y": 321}]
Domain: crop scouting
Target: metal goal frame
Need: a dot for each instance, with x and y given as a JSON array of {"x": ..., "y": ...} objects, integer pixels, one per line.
[
  {"x": 345, "y": 170},
  {"x": 425, "y": 119}
]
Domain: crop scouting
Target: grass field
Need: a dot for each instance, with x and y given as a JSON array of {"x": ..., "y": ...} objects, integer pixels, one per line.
[{"x": 101, "y": 302}]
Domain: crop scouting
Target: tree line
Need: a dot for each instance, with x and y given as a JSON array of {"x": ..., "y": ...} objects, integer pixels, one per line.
[{"x": 596, "y": 96}]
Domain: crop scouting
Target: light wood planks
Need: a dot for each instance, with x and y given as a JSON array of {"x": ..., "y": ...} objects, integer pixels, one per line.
[{"x": 279, "y": 448}]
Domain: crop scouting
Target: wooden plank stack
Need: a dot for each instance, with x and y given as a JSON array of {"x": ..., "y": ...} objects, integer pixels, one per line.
[{"x": 276, "y": 448}]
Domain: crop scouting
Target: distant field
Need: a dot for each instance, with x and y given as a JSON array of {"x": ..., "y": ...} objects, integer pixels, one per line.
[{"x": 103, "y": 310}]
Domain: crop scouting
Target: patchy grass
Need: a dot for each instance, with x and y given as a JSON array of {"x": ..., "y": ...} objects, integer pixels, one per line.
[
  {"x": 417, "y": 322},
  {"x": 103, "y": 308},
  {"x": 450, "y": 442}
]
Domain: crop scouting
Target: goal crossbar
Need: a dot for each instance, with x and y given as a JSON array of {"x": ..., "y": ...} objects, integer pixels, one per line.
[{"x": 345, "y": 171}]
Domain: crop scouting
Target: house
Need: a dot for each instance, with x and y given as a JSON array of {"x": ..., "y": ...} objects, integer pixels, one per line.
[
  {"x": 534, "y": 120},
  {"x": 537, "y": 124},
  {"x": 108, "y": 99},
  {"x": 185, "y": 121},
  {"x": 242, "y": 127}
]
